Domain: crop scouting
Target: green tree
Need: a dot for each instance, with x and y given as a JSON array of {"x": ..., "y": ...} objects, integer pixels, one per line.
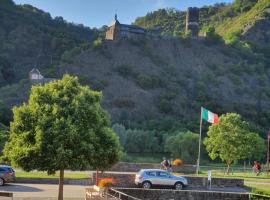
[
  {"x": 62, "y": 127},
  {"x": 231, "y": 140},
  {"x": 184, "y": 145}
]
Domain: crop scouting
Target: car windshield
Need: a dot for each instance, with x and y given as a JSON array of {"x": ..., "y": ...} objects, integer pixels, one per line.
[{"x": 6, "y": 169}]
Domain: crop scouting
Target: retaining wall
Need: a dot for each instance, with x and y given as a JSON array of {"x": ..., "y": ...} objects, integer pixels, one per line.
[
  {"x": 127, "y": 180},
  {"x": 181, "y": 195},
  {"x": 135, "y": 167}
]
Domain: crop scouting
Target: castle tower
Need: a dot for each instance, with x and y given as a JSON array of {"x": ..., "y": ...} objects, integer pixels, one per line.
[
  {"x": 113, "y": 31},
  {"x": 192, "y": 21}
]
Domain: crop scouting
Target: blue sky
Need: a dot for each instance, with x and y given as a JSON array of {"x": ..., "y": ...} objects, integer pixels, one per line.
[{"x": 95, "y": 13}]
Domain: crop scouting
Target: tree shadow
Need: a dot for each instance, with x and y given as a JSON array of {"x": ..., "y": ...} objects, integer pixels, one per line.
[{"x": 18, "y": 188}]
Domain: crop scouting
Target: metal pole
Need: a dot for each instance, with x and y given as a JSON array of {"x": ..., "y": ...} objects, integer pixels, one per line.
[
  {"x": 200, "y": 138},
  {"x": 268, "y": 138}
]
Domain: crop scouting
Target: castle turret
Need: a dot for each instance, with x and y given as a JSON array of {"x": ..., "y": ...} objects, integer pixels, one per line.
[{"x": 192, "y": 21}]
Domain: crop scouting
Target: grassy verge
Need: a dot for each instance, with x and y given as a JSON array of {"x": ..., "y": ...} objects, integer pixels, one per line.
[
  {"x": 44, "y": 175},
  {"x": 259, "y": 188}
]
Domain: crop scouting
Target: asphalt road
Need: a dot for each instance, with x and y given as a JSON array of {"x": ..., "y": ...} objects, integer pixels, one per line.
[{"x": 42, "y": 191}]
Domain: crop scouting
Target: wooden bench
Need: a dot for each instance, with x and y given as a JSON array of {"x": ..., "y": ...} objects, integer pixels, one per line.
[{"x": 6, "y": 194}]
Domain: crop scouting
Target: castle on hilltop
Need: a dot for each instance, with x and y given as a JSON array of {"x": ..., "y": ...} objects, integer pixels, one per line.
[
  {"x": 192, "y": 21},
  {"x": 117, "y": 31}
]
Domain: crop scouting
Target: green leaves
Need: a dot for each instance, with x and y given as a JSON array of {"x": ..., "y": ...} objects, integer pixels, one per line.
[
  {"x": 62, "y": 127},
  {"x": 231, "y": 140}
]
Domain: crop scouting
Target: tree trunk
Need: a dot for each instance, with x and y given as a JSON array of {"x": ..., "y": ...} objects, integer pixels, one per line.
[
  {"x": 228, "y": 169},
  {"x": 61, "y": 185}
]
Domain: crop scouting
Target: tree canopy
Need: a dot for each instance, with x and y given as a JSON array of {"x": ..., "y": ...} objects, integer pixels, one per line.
[
  {"x": 184, "y": 145},
  {"x": 232, "y": 140},
  {"x": 63, "y": 126}
]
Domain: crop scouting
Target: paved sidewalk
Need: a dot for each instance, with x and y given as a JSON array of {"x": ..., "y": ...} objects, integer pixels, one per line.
[{"x": 43, "y": 191}]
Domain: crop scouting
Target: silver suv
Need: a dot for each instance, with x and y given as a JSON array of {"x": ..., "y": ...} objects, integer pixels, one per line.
[
  {"x": 146, "y": 178},
  {"x": 7, "y": 174}
]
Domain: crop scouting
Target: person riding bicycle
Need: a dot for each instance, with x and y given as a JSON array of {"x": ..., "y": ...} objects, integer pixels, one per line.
[{"x": 165, "y": 164}]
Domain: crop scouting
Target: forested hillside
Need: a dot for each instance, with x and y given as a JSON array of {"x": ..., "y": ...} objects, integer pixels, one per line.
[
  {"x": 30, "y": 37},
  {"x": 153, "y": 87}
]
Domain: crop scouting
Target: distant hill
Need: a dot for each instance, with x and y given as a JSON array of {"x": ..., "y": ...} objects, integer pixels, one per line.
[
  {"x": 155, "y": 83},
  {"x": 30, "y": 37}
]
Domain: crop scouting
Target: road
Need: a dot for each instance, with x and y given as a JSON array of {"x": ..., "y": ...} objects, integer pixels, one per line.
[{"x": 43, "y": 191}]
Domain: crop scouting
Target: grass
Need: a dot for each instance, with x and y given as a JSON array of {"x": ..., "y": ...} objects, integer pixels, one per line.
[
  {"x": 44, "y": 175},
  {"x": 238, "y": 23},
  {"x": 256, "y": 184},
  {"x": 259, "y": 188}
]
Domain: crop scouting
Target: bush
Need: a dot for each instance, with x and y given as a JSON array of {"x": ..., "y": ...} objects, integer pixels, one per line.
[
  {"x": 148, "y": 82},
  {"x": 106, "y": 182},
  {"x": 125, "y": 70},
  {"x": 177, "y": 162},
  {"x": 97, "y": 43},
  {"x": 165, "y": 106}
]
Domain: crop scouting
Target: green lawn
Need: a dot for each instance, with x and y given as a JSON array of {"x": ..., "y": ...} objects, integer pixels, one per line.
[
  {"x": 259, "y": 188},
  {"x": 38, "y": 174},
  {"x": 247, "y": 176}
]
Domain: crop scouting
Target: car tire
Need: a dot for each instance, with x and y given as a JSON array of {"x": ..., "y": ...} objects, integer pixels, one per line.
[
  {"x": 1, "y": 182},
  {"x": 178, "y": 186},
  {"x": 146, "y": 185}
]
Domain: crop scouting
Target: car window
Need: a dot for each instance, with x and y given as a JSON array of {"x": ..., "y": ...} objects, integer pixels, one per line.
[
  {"x": 162, "y": 174},
  {"x": 2, "y": 169},
  {"x": 9, "y": 169},
  {"x": 151, "y": 173}
]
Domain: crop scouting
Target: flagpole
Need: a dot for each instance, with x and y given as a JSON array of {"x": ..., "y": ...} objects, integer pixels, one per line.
[{"x": 200, "y": 138}]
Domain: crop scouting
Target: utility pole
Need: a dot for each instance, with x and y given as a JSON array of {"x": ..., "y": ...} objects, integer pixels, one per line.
[
  {"x": 200, "y": 140},
  {"x": 267, "y": 162}
]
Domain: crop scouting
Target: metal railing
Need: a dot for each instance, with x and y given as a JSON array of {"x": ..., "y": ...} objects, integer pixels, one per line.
[
  {"x": 114, "y": 193},
  {"x": 253, "y": 196}
]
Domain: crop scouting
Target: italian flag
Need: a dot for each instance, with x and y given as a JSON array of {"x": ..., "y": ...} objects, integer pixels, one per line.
[{"x": 209, "y": 116}]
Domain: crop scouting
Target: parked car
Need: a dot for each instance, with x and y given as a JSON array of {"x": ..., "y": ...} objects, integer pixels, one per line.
[
  {"x": 146, "y": 178},
  {"x": 7, "y": 174}
]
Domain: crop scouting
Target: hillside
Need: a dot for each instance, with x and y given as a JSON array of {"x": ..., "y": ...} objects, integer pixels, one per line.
[
  {"x": 149, "y": 83},
  {"x": 30, "y": 37},
  {"x": 157, "y": 83}
]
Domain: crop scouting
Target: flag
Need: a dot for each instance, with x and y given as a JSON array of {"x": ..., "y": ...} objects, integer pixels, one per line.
[{"x": 209, "y": 116}]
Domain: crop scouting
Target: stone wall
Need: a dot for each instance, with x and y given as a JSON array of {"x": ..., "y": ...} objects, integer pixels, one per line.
[
  {"x": 127, "y": 180},
  {"x": 181, "y": 195},
  {"x": 85, "y": 181},
  {"x": 135, "y": 167},
  {"x": 220, "y": 182}
]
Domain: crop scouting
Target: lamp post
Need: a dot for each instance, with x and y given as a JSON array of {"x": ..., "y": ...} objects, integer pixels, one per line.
[{"x": 267, "y": 162}]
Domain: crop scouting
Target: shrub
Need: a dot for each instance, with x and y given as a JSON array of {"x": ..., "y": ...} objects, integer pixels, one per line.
[
  {"x": 165, "y": 106},
  {"x": 106, "y": 182},
  {"x": 97, "y": 43},
  {"x": 125, "y": 70},
  {"x": 177, "y": 162}
]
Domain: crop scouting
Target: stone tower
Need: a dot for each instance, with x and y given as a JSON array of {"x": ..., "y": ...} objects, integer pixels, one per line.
[{"x": 192, "y": 21}]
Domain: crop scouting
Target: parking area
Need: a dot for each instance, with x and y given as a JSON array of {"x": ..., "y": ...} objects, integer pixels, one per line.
[{"x": 43, "y": 191}]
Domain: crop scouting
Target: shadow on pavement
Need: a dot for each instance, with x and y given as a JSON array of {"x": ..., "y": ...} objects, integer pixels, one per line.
[{"x": 18, "y": 188}]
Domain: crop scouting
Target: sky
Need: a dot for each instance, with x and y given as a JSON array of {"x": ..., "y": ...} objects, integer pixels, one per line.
[{"x": 96, "y": 13}]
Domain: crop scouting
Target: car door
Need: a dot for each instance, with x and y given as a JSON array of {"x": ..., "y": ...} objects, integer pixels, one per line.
[
  {"x": 164, "y": 178},
  {"x": 151, "y": 176}
]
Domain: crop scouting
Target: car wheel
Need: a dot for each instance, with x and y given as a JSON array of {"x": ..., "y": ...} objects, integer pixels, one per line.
[
  {"x": 178, "y": 186},
  {"x": 146, "y": 185},
  {"x": 1, "y": 182}
]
